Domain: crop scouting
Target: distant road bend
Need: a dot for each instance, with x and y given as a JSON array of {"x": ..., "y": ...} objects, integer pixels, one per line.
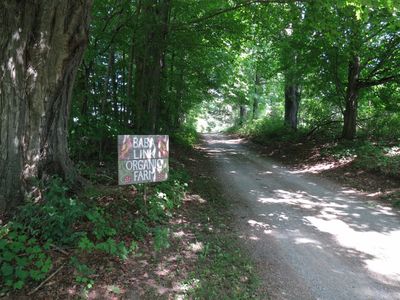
[{"x": 310, "y": 238}]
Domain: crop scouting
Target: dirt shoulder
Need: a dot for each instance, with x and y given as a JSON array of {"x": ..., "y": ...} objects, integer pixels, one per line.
[{"x": 312, "y": 157}]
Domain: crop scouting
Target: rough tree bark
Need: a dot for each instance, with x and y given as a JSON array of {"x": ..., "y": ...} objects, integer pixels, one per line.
[
  {"x": 292, "y": 101},
  {"x": 41, "y": 47},
  {"x": 351, "y": 100}
]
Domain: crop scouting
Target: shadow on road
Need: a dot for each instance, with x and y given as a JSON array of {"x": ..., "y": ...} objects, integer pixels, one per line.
[{"x": 334, "y": 238}]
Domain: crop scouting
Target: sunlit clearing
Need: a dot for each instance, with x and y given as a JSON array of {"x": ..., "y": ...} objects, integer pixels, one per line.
[{"x": 215, "y": 116}]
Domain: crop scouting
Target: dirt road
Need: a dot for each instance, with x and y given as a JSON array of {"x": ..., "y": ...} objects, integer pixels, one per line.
[{"x": 311, "y": 238}]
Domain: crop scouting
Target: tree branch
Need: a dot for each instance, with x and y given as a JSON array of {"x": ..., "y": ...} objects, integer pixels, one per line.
[
  {"x": 365, "y": 84},
  {"x": 389, "y": 51},
  {"x": 233, "y": 8}
]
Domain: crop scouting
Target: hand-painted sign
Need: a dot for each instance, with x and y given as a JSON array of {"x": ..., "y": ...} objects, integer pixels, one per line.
[{"x": 142, "y": 158}]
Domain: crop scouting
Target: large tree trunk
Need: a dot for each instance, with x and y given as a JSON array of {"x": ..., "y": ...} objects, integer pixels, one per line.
[
  {"x": 150, "y": 63},
  {"x": 351, "y": 100},
  {"x": 292, "y": 101},
  {"x": 41, "y": 47}
]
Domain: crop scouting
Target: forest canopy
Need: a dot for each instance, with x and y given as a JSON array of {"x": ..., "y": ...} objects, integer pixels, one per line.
[{"x": 148, "y": 67}]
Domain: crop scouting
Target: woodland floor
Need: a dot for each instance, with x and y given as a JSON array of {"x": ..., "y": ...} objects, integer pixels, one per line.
[{"x": 203, "y": 259}]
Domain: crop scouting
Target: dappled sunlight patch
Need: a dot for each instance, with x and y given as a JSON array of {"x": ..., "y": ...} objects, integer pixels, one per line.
[
  {"x": 107, "y": 291},
  {"x": 319, "y": 167},
  {"x": 393, "y": 151},
  {"x": 266, "y": 228},
  {"x": 301, "y": 199},
  {"x": 302, "y": 240},
  {"x": 381, "y": 248},
  {"x": 196, "y": 247},
  {"x": 162, "y": 270},
  {"x": 220, "y": 139},
  {"x": 186, "y": 286},
  {"x": 178, "y": 234},
  {"x": 195, "y": 198},
  {"x": 265, "y": 173}
]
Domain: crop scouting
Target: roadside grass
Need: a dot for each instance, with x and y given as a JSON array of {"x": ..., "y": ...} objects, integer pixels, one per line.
[{"x": 224, "y": 270}]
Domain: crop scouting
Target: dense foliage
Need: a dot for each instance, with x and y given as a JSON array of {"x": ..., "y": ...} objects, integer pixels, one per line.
[
  {"x": 154, "y": 68},
  {"x": 274, "y": 69}
]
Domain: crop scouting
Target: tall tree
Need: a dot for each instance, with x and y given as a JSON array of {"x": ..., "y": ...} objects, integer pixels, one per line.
[
  {"x": 151, "y": 44},
  {"x": 41, "y": 47},
  {"x": 352, "y": 49}
]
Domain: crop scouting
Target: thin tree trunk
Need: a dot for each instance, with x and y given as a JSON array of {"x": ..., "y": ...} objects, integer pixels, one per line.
[
  {"x": 351, "y": 100},
  {"x": 242, "y": 114},
  {"x": 41, "y": 47},
  {"x": 256, "y": 98},
  {"x": 114, "y": 87}
]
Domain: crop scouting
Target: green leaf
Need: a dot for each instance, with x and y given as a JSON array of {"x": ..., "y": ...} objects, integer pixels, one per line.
[
  {"x": 8, "y": 256},
  {"x": 3, "y": 244},
  {"x": 18, "y": 285},
  {"x": 21, "y": 261},
  {"x": 22, "y": 238},
  {"x": 46, "y": 266},
  {"x": 39, "y": 263},
  {"x": 17, "y": 246},
  {"x": 22, "y": 274},
  {"x": 6, "y": 269}
]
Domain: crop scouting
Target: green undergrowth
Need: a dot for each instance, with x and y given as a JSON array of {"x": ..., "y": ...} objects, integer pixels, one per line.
[
  {"x": 382, "y": 158},
  {"x": 224, "y": 270},
  {"x": 186, "y": 136},
  {"x": 268, "y": 130},
  {"x": 106, "y": 222},
  {"x": 379, "y": 157}
]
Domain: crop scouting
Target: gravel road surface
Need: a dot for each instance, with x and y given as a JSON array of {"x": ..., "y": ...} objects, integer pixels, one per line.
[{"x": 310, "y": 238}]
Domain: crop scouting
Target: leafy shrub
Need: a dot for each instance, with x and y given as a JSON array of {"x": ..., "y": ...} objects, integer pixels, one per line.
[
  {"x": 382, "y": 127},
  {"x": 185, "y": 136},
  {"x": 269, "y": 129},
  {"x": 22, "y": 257},
  {"x": 377, "y": 158},
  {"x": 109, "y": 246},
  {"x": 161, "y": 238},
  {"x": 374, "y": 157},
  {"x": 100, "y": 221},
  {"x": 161, "y": 199},
  {"x": 139, "y": 229},
  {"x": 111, "y": 229},
  {"x": 53, "y": 218},
  {"x": 82, "y": 272}
]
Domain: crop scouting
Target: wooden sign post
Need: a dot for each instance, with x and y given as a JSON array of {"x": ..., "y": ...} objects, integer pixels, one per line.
[{"x": 142, "y": 158}]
